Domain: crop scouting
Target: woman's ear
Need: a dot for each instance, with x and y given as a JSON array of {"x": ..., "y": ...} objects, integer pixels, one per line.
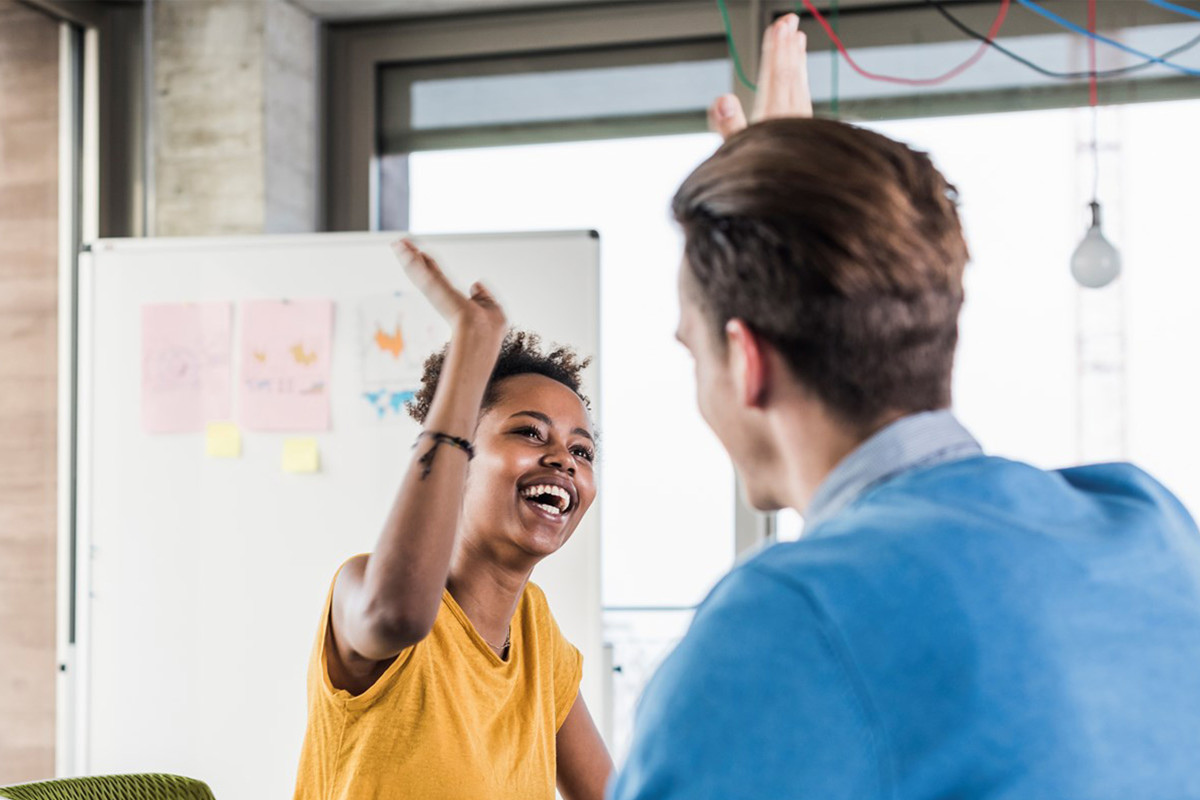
[{"x": 748, "y": 363}]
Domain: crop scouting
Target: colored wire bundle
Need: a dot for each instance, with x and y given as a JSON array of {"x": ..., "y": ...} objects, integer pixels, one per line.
[
  {"x": 1173, "y": 7},
  {"x": 989, "y": 40},
  {"x": 953, "y": 73},
  {"x": 1071, "y": 26},
  {"x": 940, "y": 7}
]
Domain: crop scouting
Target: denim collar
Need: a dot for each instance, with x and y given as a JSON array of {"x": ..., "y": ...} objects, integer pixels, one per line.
[{"x": 916, "y": 441}]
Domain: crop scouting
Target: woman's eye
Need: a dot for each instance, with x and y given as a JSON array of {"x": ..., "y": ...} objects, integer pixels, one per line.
[
  {"x": 584, "y": 453},
  {"x": 530, "y": 432}
]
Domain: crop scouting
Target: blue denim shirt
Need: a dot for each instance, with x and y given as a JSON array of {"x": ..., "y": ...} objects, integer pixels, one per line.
[{"x": 949, "y": 626}]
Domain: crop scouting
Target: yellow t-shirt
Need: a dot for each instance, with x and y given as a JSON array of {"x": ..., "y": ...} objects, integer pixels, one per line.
[{"x": 448, "y": 719}]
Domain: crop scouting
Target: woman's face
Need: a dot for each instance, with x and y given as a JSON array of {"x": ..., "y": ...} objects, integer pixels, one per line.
[{"x": 532, "y": 478}]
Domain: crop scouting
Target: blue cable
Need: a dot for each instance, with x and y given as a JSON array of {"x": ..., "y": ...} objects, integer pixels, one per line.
[
  {"x": 1172, "y": 7},
  {"x": 1066, "y": 23}
]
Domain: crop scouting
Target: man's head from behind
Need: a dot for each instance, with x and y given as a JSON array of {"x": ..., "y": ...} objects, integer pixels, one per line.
[{"x": 822, "y": 271}]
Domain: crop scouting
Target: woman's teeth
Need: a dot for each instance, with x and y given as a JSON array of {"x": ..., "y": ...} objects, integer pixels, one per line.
[{"x": 556, "y": 494}]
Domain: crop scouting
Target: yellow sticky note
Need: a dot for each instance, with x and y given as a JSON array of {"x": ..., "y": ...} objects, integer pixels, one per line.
[
  {"x": 224, "y": 440},
  {"x": 300, "y": 455}
]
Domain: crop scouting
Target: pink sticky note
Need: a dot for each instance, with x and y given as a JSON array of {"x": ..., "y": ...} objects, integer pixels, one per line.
[
  {"x": 185, "y": 366},
  {"x": 286, "y": 348}
]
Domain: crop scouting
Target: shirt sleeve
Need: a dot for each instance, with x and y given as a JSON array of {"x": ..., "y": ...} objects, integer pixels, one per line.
[
  {"x": 567, "y": 664},
  {"x": 757, "y": 701}
]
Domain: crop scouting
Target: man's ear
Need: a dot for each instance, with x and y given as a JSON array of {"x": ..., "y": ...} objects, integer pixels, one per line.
[{"x": 748, "y": 362}]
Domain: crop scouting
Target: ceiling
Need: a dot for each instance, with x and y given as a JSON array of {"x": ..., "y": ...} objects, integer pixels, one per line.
[
  {"x": 365, "y": 9},
  {"x": 378, "y": 9}
]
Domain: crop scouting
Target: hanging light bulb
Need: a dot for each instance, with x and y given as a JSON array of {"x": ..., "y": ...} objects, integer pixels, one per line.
[{"x": 1095, "y": 262}]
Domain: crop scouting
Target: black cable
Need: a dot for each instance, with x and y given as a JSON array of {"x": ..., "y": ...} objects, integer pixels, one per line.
[{"x": 1084, "y": 75}]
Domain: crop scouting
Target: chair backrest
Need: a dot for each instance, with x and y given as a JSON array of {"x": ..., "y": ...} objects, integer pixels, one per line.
[{"x": 112, "y": 787}]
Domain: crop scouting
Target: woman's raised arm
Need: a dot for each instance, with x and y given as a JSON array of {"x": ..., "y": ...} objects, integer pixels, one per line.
[{"x": 389, "y": 600}]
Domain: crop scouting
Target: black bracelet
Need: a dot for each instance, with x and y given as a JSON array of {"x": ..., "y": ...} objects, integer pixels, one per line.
[
  {"x": 456, "y": 441},
  {"x": 426, "y": 461}
]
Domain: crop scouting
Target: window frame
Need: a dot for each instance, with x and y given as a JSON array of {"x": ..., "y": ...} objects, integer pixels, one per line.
[
  {"x": 355, "y": 53},
  {"x": 397, "y": 136}
]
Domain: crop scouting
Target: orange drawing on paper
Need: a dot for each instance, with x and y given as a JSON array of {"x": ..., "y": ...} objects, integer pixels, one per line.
[
  {"x": 306, "y": 358},
  {"x": 260, "y": 356},
  {"x": 390, "y": 343}
]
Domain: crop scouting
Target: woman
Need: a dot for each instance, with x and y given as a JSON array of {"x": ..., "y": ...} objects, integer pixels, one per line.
[{"x": 438, "y": 671}]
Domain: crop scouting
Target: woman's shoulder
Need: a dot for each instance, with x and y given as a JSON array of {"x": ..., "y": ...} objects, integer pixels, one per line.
[
  {"x": 534, "y": 605},
  {"x": 534, "y": 594},
  {"x": 535, "y": 611}
]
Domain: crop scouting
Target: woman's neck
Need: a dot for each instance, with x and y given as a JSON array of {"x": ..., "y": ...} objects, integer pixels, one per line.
[{"x": 487, "y": 592}]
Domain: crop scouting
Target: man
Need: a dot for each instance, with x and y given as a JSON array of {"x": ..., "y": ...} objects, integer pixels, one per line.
[{"x": 950, "y": 625}]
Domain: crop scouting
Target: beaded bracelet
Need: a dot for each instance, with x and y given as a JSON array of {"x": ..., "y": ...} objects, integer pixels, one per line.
[{"x": 439, "y": 438}]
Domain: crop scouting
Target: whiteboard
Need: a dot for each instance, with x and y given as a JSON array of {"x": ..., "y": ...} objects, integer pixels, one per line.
[{"x": 200, "y": 582}]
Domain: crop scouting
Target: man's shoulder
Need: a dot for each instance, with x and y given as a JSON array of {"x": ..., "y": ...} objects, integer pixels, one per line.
[{"x": 986, "y": 494}]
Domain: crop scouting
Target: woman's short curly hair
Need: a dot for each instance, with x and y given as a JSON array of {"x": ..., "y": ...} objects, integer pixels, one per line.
[{"x": 520, "y": 354}]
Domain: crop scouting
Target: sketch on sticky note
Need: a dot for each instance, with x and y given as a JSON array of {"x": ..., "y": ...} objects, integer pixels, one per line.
[
  {"x": 285, "y": 365},
  {"x": 390, "y": 343},
  {"x": 303, "y": 357},
  {"x": 385, "y": 403},
  {"x": 397, "y": 400},
  {"x": 172, "y": 368},
  {"x": 397, "y": 333},
  {"x": 186, "y": 375}
]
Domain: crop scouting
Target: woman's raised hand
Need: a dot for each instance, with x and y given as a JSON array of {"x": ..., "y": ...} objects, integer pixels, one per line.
[
  {"x": 782, "y": 82},
  {"x": 477, "y": 315}
]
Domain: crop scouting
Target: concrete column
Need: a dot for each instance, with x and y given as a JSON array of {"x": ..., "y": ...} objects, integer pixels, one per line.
[{"x": 234, "y": 133}]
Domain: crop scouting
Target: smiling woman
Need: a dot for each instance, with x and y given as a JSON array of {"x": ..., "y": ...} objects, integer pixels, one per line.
[{"x": 438, "y": 669}]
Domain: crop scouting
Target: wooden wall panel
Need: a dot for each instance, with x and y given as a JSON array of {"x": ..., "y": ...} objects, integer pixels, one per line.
[{"x": 29, "y": 51}]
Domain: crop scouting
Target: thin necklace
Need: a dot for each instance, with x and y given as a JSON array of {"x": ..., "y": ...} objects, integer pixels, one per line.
[{"x": 505, "y": 646}]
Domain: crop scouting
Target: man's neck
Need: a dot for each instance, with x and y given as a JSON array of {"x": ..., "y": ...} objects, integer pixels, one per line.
[{"x": 813, "y": 443}]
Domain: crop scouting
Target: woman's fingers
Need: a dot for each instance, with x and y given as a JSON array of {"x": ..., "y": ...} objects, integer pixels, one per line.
[
  {"x": 482, "y": 295},
  {"x": 425, "y": 274},
  {"x": 489, "y": 313},
  {"x": 479, "y": 312},
  {"x": 725, "y": 116}
]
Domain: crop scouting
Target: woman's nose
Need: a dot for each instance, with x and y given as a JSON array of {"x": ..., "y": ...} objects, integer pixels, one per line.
[{"x": 559, "y": 458}]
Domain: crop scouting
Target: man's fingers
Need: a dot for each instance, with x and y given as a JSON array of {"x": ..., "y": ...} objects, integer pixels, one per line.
[
  {"x": 801, "y": 93},
  {"x": 783, "y": 72},
  {"x": 726, "y": 117},
  {"x": 771, "y": 58}
]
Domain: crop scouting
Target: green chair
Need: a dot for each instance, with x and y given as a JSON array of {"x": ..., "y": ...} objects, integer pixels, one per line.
[{"x": 112, "y": 787}]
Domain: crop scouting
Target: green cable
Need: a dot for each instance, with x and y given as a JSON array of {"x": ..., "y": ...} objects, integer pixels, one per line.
[
  {"x": 737, "y": 62},
  {"x": 833, "y": 96}
]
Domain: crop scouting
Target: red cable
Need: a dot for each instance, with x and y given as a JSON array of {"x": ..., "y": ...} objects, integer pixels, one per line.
[
  {"x": 963, "y": 67},
  {"x": 1093, "y": 93}
]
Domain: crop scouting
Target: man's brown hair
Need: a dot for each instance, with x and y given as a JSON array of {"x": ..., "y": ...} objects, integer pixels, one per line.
[{"x": 839, "y": 246}]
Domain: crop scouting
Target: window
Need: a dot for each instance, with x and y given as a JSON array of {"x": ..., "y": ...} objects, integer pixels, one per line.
[{"x": 1024, "y": 383}]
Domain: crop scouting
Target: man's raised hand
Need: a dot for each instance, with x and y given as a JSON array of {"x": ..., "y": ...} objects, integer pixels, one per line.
[{"x": 782, "y": 82}]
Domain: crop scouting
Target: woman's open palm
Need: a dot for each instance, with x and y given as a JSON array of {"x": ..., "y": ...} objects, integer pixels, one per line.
[{"x": 476, "y": 314}]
